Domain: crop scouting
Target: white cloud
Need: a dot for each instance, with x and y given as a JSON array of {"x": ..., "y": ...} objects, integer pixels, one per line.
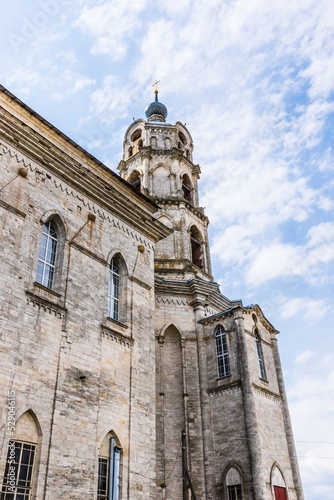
[
  {"x": 304, "y": 357},
  {"x": 113, "y": 25},
  {"x": 311, "y": 397},
  {"x": 308, "y": 308}
]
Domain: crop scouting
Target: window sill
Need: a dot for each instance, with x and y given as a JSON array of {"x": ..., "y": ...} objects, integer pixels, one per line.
[
  {"x": 225, "y": 377},
  {"x": 45, "y": 289},
  {"x": 116, "y": 323}
]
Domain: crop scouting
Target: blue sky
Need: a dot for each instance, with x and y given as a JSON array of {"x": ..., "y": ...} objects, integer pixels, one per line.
[{"x": 254, "y": 82}]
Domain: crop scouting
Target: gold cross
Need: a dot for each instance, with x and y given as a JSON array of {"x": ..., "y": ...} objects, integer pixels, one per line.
[{"x": 155, "y": 84}]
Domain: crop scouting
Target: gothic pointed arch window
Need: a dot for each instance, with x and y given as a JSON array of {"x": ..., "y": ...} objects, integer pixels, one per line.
[
  {"x": 109, "y": 469},
  {"x": 22, "y": 456},
  {"x": 134, "y": 180},
  {"x": 234, "y": 484},
  {"x": 117, "y": 285},
  {"x": 196, "y": 247},
  {"x": 260, "y": 358},
  {"x": 47, "y": 256},
  {"x": 186, "y": 187},
  {"x": 223, "y": 360},
  {"x": 278, "y": 484},
  {"x": 114, "y": 287}
]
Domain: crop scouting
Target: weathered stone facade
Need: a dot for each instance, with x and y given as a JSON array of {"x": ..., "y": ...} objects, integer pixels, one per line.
[{"x": 83, "y": 379}]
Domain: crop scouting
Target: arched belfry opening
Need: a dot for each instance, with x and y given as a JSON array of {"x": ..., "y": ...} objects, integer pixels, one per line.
[
  {"x": 187, "y": 187},
  {"x": 134, "y": 180},
  {"x": 196, "y": 242}
]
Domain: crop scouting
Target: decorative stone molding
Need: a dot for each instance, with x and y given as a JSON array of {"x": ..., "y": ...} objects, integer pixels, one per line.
[
  {"x": 140, "y": 282},
  {"x": 12, "y": 209},
  {"x": 229, "y": 388},
  {"x": 90, "y": 254},
  {"x": 166, "y": 300},
  {"x": 267, "y": 393},
  {"x": 116, "y": 336},
  {"x": 46, "y": 305}
]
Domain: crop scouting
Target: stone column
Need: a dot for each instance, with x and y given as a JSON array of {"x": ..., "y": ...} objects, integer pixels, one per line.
[
  {"x": 146, "y": 167},
  {"x": 287, "y": 422},
  {"x": 206, "y": 444},
  {"x": 172, "y": 184},
  {"x": 254, "y": 443}
]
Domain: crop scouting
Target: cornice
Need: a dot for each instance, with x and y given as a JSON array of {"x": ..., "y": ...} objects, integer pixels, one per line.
[
  {"x": 108, "y": 190},
  {"x": 178, "y": 203},
  {"x": 149, "y": 152},
  {"x": 193, "y": 291}
]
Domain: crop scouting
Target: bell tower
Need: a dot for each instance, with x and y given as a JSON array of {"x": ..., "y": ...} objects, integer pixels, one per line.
[
  {"x": 158, "y": 161},
  {"x": 222, "y": 423}
]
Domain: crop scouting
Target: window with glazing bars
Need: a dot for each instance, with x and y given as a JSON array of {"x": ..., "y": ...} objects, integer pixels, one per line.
[
  {"x": 234, "y": 492},
  {"x": 47, "y": 255},
  {"x": 114, "y": 290},
  {"x": 223, "y": 361},
  {"x": 262, "y": 371},
  {"x": 17, "y": 482},
  {"x": 109, "y": 474}
]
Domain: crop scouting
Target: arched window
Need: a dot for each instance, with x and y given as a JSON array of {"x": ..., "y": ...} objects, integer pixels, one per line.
[
  {"x": 182, "y": 138},
  {"x": 196, "y": 247},
  {"x": 130, "y": 151},
  {"x": 262, "y": 370},
  {"x": 153, "y": 142},
  {"x": 136, "y": 135},
  {"x": 234, "y": 484},
  {"x": 134, "y": 180},
  {"x": 47, "y": 255},
  {"x": 109, "y": 480},
  {"x": 19, "y": 475},
  {"x": 114, "y": 290},
  {"x": 278, "y": 484},
  {"x": 187, "y": 187},
  {"x": 223, "y": 361}
]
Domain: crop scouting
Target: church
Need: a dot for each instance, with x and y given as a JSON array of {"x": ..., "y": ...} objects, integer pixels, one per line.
[{"x": 125, "y": 373}]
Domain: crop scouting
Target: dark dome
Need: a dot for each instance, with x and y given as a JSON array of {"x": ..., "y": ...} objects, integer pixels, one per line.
[{"x": 156, "y": 110}]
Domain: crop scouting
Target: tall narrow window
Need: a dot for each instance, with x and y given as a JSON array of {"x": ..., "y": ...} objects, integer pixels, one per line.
[
  {"x": 196, "y": 247},
  {"x": 262, "y": 371},
  {"x": 134, "y": 180},
  {"x": 187, "y": 188},
  {"x": 47, "y": 255},
  {"x": 223, "y": 361},
  {"x": 114, "y": 290},
  {"x": 17, "y": 482},
  {"x": 108, "y": 486}
]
